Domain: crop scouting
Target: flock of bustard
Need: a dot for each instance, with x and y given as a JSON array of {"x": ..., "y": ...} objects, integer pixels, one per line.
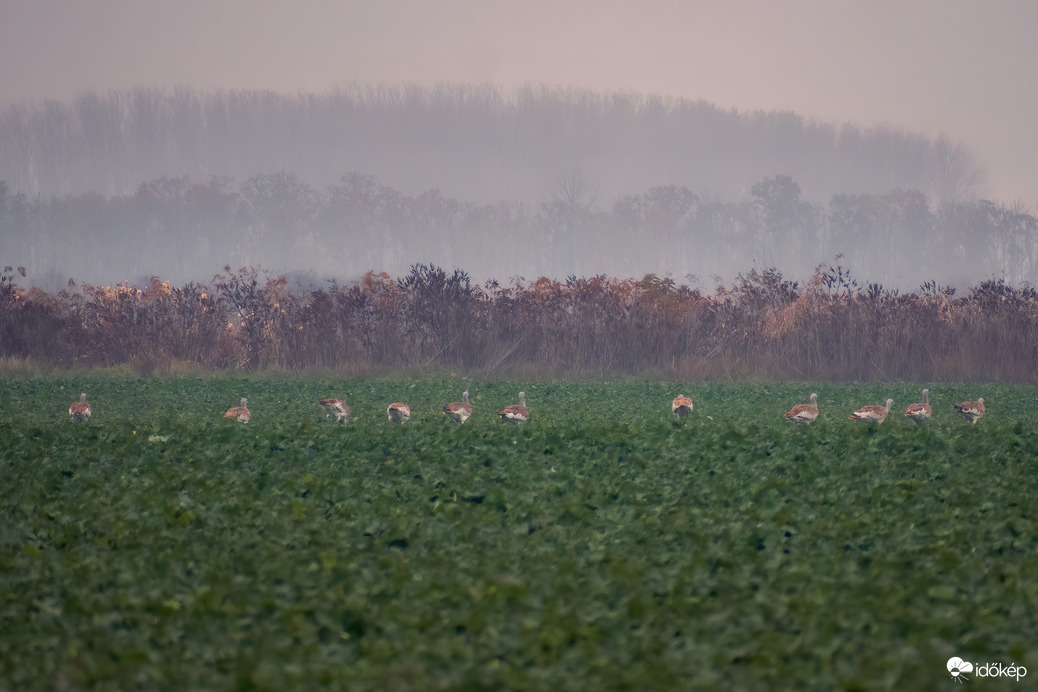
[
  {"x": 460, "y": 411},
  {"x": 806, "y": 413},
  {"x": 919, "y": 412}
]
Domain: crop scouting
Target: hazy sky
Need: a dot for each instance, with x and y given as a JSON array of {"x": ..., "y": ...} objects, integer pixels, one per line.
[{"x": 962, "y": 68}]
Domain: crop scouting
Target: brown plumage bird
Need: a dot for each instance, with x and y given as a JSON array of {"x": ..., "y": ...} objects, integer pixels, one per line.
[
  {"x": 972, "y": 410},
  {"x": 338, "y": 409},
  {"x": 459, "y": 410},
  {"x": 398, "y": 413},
  {"x": 80, "y": 410},
  {"x": 516, "y": 413},
  {"x": 804, "y": 413},
  {"x": 920, "y": 412},
  {"x": 240, "y": 413},
  {"x": 681, "y": 406},
  {"x": 872, "y": 414}
]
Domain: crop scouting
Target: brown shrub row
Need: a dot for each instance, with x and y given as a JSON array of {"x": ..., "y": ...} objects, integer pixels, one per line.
[{"x": 763, "y": 327}]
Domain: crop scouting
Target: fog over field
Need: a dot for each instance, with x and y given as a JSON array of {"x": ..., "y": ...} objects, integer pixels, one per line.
[
  {"x": 698, "y": 141},
  {"x": 218, "y": 218}
]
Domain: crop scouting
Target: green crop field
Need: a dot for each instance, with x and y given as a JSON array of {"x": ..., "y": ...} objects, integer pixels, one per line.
[{"x": 599, "y": 546}]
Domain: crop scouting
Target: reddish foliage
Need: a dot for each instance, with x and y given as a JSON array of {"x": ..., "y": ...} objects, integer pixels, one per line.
[{"x": 762, "y": 326}]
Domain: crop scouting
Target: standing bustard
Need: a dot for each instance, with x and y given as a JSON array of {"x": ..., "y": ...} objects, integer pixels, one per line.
[
  {"x": 972, "y": 410},
  {"x": 516, "y": 413},
  {"x": 337, "y": 409},
  {"x": 240, "y": 413},
  {"x": 804, "y": 413},
  {"x": 459, "y": 410},
  {"x": 920, "y": 412},
  {"x": 80, "y": 410},
  {"x": 681, "y": 406},
  {"x": 398, "y": 413},
  {"x": 872, "y": 414}
]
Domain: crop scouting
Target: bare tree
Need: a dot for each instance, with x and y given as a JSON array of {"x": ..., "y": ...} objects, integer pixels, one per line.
[
  {"x": 957, "y": 173},
  {"x": 569, "y": 189}
]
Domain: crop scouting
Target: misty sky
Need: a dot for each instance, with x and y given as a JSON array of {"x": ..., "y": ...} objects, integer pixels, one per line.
[{"x": 956, "y": 67}]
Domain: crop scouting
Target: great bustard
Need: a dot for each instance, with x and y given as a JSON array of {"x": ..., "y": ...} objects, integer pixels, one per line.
[
  {"x": 972, "y": 410},
  {"x": 516, "y": 413},
  {"x": 80, "y": 410},
  {"x": 804, "y": 413},
  {"x": 872, "y": 414},
  {"x": 920, "y": 412},
  {"x": 338, "y": 409},
  {"x": 240, "y": 413},
  {"x": 681, "y": 406},
  {"x": 459, "y": 410},
  {"x": 398, "y": 413}
]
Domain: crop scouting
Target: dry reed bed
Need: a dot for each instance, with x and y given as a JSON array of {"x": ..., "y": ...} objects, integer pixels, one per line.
[{"x": 763, "y": 326}]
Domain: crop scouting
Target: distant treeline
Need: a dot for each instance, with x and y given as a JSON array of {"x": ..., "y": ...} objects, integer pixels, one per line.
[
  {"x": 762, "y": 326},
  {"x": 187, "y": 230},
  {"x": 471, "y": 141}
]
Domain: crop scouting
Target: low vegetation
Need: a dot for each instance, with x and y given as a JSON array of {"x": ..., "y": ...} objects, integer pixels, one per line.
[{"x": 602, "y": 545}]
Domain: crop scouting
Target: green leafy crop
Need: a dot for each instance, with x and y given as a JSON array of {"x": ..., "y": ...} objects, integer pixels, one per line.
[{"x": 601, "y": 545}]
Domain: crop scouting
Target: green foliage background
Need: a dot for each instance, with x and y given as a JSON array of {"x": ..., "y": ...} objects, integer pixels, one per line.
[{"x": 600, "y": 546}]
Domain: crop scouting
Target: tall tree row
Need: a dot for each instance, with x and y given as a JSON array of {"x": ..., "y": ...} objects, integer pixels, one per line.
[
  {"x": 186, "y": 230},
  {"x": 473, "y": 142}
]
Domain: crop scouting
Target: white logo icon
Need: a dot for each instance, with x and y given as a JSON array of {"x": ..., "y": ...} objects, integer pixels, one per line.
[{"x": 958, "y": 668}]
